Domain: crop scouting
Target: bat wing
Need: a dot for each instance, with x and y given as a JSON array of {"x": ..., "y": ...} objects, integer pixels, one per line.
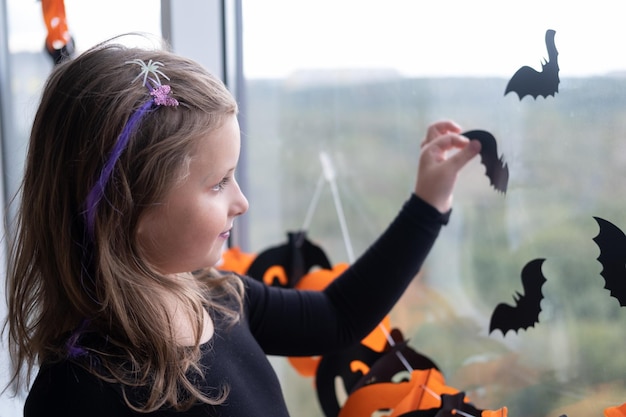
[
  {"x": 525, "y": 312},
  {"x": 612, "y": 241},
  {"x": 495, "y": 168},
  {"x": 313, "y": 256},
  {"x": 524, "y": 83},
  {"x": 529, "y": 82}
]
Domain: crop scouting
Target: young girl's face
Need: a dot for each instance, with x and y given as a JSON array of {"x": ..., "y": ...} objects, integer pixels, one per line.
[{"x": 187, "y": 231}]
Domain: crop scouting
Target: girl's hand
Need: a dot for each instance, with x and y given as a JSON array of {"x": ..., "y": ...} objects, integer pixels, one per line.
[{"x": 444, "y": 152}]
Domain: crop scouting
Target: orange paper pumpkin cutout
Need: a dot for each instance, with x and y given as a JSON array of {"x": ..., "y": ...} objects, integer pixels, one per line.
[
  {"x": 304, "y": 365},
  {"x": 456, "y": 405},
  {"x": 502, "y": 412},
  {"x": 421, "y": 392},
  {"x": 619, "y": 411},
  {"x": 426, "y": 390},
  {"x": 320, "y": 278},
  {"x": 426, "y": 393},
  {"x": 233, "y": 259}
]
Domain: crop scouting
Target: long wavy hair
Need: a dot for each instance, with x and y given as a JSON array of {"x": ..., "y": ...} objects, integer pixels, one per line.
[{"x": 64, "y": 288}]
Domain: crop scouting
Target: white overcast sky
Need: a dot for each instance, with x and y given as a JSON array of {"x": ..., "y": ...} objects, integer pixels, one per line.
[
  {"x": 414, "y": 37},
  {"x": 435, "y": 37}
]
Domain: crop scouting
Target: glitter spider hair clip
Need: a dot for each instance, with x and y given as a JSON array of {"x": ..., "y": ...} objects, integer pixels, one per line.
[
  {"x": 160, "y": 92},
  {"x": 160, "y": 95}
]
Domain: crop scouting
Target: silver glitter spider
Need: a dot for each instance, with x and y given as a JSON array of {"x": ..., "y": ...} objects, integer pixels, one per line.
[{"x": 149, "y": 68}]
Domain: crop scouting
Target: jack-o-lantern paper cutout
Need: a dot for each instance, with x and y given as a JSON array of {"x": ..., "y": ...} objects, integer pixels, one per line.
[
  {"x": 296, "y": 258},
  {"x": 359, "y": 366},
  {"x": 341, "y": 366}
]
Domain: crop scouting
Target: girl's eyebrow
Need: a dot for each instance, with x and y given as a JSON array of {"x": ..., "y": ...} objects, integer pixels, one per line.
[{"x": 209, "y": 177}]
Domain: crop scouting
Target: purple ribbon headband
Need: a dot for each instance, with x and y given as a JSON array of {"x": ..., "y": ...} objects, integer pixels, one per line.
[{"x": 159, "y": 96}]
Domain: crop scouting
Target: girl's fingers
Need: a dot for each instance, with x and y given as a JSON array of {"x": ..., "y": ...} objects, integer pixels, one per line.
[
  {"x": 439, "y": 167},
  {"x": 440, "y": 128},
  {"x": 469, "y": 151},
  {"x": 440, "y": 146}
]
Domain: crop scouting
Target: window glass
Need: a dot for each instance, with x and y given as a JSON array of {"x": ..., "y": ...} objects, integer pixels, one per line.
[
  {"x": 356, "y": 83},
  {"x": 89, "y": 23}
]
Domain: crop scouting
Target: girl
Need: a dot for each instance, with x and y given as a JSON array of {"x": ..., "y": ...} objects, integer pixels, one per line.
[{"x": 128, "y": 197}]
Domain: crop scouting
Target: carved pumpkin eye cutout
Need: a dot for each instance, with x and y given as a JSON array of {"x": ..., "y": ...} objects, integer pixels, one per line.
[{"x": 275, "y": 275}]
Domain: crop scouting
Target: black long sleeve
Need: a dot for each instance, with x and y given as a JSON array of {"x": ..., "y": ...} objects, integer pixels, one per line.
[{"x": 292, "y": 323}]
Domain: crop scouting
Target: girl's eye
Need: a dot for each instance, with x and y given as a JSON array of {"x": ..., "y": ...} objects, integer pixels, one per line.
[{"x": 221, "y": 185}]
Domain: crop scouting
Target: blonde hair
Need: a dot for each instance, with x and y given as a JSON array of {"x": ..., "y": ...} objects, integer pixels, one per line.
[{"x": 61, "y": 286}]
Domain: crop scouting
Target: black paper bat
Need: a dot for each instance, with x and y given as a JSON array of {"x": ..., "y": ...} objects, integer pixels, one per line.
[
  {"x": 528, "y": 81},
  {"x": 496, "y": 169},
  {"x": 612, "y": 243},
  {"x": 527, "y": 307},
  {"x": 297, "y": 257}
]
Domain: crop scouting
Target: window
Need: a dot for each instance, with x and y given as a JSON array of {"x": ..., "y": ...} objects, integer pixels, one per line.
[
  {"x": 358, "y": 83},
  {"x": 30, "y": 65}
]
